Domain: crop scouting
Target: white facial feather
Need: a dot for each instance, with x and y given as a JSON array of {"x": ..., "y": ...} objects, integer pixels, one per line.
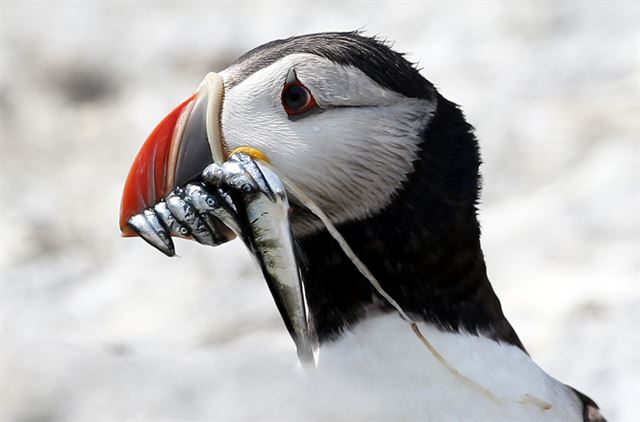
[{"x": 350, "y": 158}]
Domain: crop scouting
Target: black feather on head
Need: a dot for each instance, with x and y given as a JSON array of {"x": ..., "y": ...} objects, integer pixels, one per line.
[{"x": 372, "y": 56}]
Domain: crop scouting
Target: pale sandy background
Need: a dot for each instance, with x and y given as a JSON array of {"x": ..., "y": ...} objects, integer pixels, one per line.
[{"x": 99, "y": 328}]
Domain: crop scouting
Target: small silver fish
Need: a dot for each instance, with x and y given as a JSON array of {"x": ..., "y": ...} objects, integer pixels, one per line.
[
  {"x": 263, "y": 200},
  {"x": 244, "y": 197},
  {"x": 194, "y": 212}
]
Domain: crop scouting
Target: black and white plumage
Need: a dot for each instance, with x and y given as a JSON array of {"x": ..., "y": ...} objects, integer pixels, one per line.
[{"x": 395, "y": 165}]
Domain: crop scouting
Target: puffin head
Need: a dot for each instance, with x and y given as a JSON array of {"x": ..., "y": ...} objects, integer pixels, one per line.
[
  {"x": 390, "y": 160},
  {"x": 340, "y": 114}
]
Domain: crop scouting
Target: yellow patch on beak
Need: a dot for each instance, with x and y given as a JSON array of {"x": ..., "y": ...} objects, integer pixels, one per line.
[{"x": 254, "y": 153}]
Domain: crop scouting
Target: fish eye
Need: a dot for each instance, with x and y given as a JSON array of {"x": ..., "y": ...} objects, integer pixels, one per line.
[
  {"x": 210, "y": 202},
  {"x": 296, "y": 98}
]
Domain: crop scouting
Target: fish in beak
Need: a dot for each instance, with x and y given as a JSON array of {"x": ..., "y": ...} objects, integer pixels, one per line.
[
  {"x": 180, "y": 184},
  {"x": 182, "y": 145}
]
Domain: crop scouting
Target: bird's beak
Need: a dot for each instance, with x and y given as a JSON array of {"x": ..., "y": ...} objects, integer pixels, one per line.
[{"x": 176, "y": 152}]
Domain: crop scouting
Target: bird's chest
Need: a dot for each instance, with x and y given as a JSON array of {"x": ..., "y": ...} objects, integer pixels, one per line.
[{"x": 381, "y": 370}]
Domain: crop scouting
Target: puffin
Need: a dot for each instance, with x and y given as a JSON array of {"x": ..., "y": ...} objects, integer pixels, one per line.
[{"x": 395, "y": 166}]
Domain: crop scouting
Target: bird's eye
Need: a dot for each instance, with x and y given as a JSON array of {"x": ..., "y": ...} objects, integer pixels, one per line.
[{"x": 296, "y": 98}]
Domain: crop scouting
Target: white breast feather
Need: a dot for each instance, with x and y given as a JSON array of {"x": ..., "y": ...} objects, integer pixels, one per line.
[{"x": 382, "y": 371}]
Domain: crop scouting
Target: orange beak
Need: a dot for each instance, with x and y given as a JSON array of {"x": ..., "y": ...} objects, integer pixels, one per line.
[{"x": 183, "y": 144}]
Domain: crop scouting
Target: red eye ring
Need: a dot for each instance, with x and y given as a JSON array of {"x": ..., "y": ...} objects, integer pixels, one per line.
[{"x": 296, "y": 98}]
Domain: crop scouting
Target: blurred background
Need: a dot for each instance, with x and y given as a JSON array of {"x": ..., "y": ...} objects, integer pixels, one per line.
[{"x": 100, "y": 328}]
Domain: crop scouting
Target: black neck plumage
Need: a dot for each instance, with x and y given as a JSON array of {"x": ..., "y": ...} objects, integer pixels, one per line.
[{"x": 424, "y": 247}]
